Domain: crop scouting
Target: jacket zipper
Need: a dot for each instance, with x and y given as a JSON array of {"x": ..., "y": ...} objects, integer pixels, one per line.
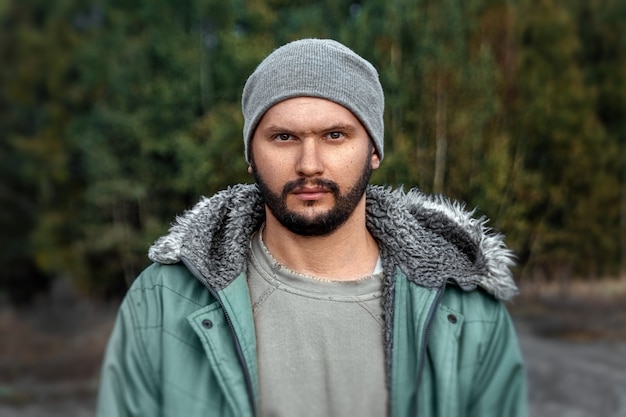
[{"x": 242, "y": 361}]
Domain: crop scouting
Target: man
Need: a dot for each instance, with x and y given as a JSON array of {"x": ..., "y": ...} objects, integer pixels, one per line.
[{"x": 312, "y": 293}]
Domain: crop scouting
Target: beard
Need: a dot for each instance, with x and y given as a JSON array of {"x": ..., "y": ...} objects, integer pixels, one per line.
[{"x": 321, "y": 224}]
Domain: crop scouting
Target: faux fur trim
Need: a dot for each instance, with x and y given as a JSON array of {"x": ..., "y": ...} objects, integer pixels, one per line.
[{"x": 431, "y": 239}]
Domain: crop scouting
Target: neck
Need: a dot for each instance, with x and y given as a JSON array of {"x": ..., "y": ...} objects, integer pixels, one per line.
[{"x": 348, "y": 253}]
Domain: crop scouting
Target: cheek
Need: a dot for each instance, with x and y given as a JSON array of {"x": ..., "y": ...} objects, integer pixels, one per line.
[
  {"x": 266, "y": 158},
  {"x": 271, "y": 172}
]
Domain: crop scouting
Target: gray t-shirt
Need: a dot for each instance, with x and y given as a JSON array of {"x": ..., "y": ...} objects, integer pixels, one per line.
[{"x": 320, "y": 343}]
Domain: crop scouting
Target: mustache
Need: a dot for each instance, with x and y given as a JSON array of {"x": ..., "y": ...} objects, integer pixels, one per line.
[{"x": 316, "y": 182}]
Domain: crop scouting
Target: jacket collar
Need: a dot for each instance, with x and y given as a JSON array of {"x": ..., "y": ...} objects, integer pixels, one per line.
[{"x": 431, "y": 239}]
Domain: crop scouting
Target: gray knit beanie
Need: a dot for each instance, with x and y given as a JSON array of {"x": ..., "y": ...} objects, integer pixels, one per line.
[{"x": 315, "y": 68}]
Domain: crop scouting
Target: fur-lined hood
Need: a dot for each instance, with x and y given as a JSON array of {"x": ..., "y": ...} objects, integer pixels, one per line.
[{"x": 431, "y": 239}]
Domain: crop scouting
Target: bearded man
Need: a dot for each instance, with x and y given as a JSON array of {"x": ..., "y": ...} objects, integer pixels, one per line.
[{"x": 312, "y": 293}]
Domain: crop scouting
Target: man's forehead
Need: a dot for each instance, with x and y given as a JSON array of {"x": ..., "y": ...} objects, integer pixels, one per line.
[{"x": 309, "y": 112}]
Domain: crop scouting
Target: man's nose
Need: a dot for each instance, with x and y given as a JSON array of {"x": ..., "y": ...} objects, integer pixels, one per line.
[{"x": 309, "y": 159}]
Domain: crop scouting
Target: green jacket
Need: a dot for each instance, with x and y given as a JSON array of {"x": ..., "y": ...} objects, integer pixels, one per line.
[{"x": 184, "y": 341}]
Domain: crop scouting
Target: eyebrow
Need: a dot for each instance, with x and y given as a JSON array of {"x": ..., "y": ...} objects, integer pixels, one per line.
[
  {"x": 274, "y": 129},
  {"x": 342, "y": 127}
]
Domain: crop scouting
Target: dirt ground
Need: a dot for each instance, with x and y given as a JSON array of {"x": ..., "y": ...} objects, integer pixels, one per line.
[
  {"x": 575, "y": 352},
  {"x": 574, "y": 346},
  {"x": 50, "y": 354}
]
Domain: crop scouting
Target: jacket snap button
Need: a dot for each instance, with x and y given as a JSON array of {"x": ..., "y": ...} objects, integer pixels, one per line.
[
  {"x": 207, "y": 323},
  {"x": 452, "y": 318}
]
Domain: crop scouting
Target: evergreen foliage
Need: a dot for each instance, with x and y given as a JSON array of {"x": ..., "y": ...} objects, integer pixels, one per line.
[{"x": 117, "y": 115}]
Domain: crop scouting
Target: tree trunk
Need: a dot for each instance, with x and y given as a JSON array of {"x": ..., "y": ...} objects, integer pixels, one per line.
[
  {"x": 622, "y": 223},
  {"x": 441, "y": 135}
]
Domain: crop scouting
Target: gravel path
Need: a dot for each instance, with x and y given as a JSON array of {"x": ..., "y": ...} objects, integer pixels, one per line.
[{"x": 575, "y": 379}]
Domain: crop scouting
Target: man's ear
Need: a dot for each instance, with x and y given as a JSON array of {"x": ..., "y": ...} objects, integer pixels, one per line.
[{"x": 375, "y": 160}]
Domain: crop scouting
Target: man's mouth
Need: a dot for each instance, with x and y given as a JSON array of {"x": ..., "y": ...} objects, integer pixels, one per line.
[
  {"x": 310, "y": 190},
  {"x": 310, "y": 193}
]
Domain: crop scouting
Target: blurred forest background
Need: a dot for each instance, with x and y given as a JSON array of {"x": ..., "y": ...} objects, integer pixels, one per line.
[{"x": 116, "y": 115}]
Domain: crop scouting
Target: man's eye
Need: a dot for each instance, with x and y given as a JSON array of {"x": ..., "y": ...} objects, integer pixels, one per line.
[
  {"x": 334, "y": 135},
  {"x": 282, "y": 137}
]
